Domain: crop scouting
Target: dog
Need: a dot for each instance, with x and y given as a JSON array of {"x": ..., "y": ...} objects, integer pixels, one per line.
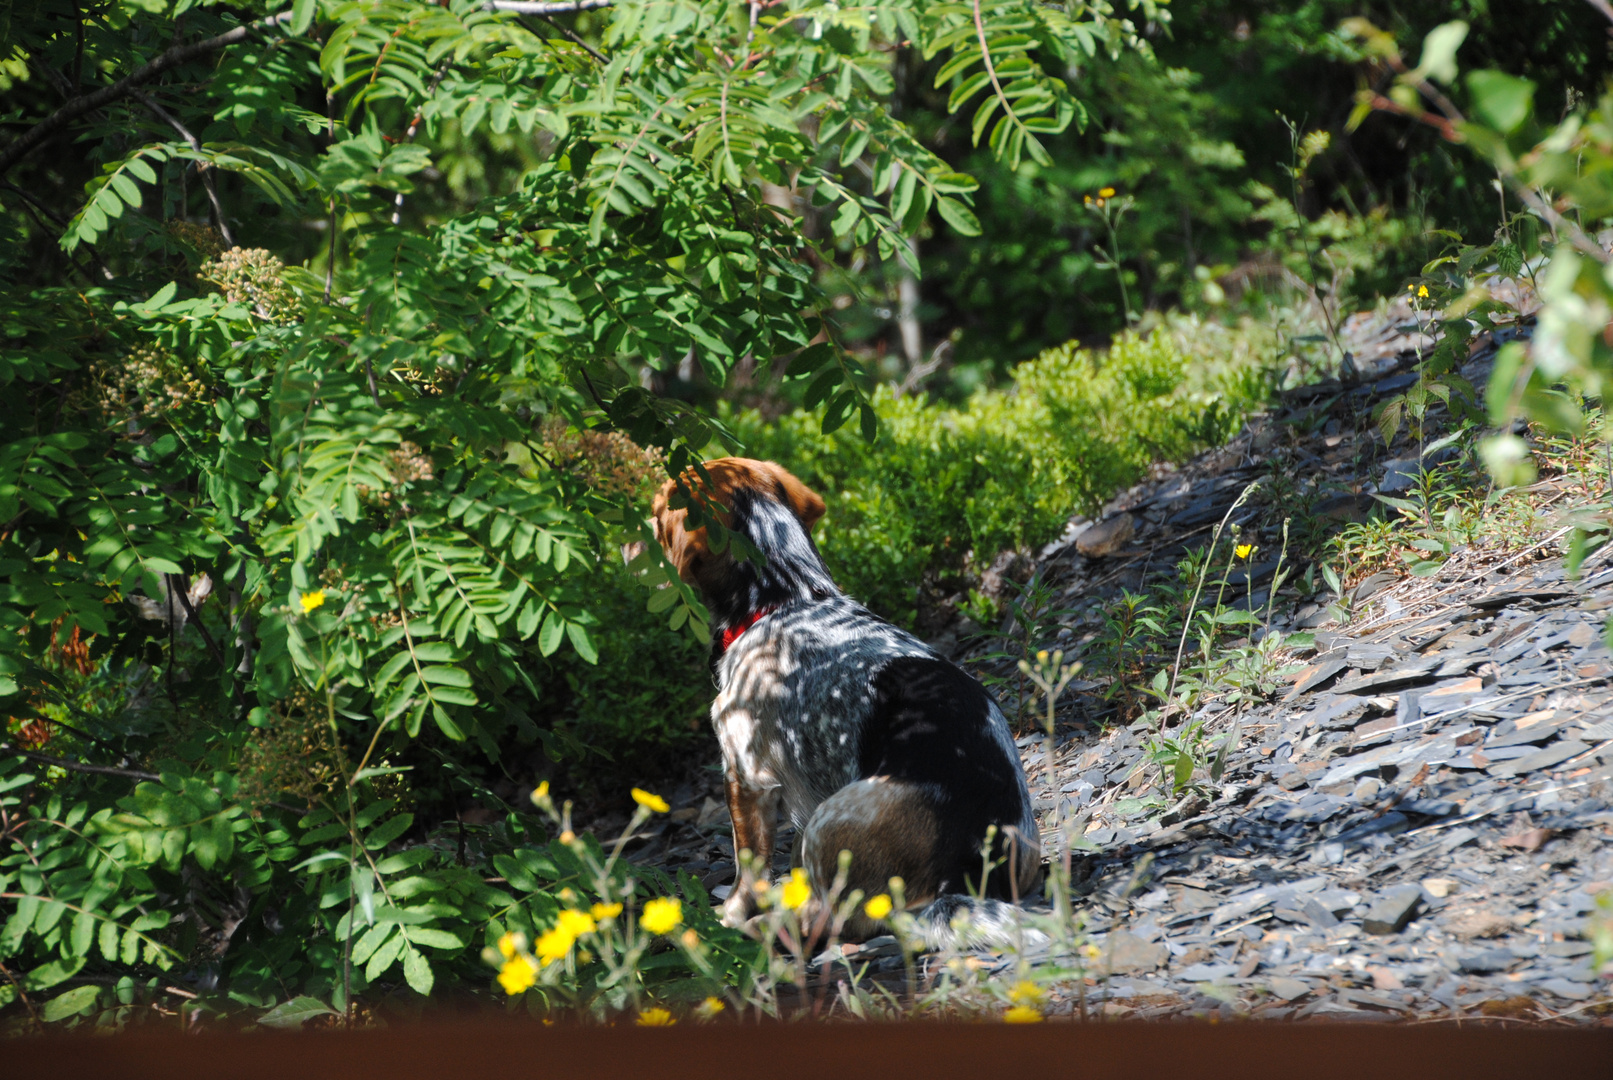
[{"x": 872, "y": 742}]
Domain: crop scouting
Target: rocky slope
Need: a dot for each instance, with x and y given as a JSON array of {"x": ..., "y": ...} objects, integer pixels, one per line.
[{"x": 1415, "y": 824}]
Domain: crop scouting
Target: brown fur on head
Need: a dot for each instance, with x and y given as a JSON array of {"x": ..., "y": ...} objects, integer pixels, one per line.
[{"x": 688, "y": 548}]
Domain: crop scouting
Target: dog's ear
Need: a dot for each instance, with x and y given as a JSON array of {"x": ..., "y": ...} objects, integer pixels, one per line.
[
  {"x": 685, "y": 548},
  {"x": 804, "y": 503}
]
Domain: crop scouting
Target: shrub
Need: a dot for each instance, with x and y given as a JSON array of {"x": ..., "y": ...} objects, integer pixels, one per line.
[{"x": 943, "y": 488}]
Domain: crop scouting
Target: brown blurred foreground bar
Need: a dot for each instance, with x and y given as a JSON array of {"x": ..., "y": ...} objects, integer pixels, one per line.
[{"x": 510, "y": 1050}]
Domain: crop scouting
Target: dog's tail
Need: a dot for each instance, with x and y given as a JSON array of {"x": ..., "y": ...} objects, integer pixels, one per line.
[{"x": 958, "y": 921}]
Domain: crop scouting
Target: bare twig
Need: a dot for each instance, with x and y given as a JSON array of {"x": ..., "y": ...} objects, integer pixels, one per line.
[
  {"x": 575, "y": 37},
  {"x": 77, "y": 766},
  {"x": 203, "y": 168},
  {"x": 85, "y": 103},
  {"x": 178, "y": 586},
  {"x": 408, "y": 137}
]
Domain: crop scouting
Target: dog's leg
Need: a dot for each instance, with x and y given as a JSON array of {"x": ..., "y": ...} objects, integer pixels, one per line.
[{"x": 754, "y": 812}]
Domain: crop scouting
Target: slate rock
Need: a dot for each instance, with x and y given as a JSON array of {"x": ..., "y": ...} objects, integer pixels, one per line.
[
  {"x": 1564, "y": 988},
  {"x": 1287, "y": 989},
  {"x": 1207, "y": 972},
  {"x": 1482, "y": 963},
  {"x": 1392, "y": 909},
  {"x": 1555, "y": 754},
  {"x": 1106, "y": 537}
]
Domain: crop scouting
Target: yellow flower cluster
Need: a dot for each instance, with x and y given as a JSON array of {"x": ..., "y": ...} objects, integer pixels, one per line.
[
  {"x": 650, "y": 802},
  {"x": 556, "y": 943},
  {"x": 797, "y": 890},
  {"x": 655, "y": 1018},
  {"x": 662, "y": 915},
  {"x": 1104, "y": 195},
  {"x": 312, "y": 600},
  {"x": 878, "y": 907},
  {"x": 1023, "y": 1014}
]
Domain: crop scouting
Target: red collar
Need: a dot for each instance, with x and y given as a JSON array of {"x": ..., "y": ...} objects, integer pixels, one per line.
[{"x": 731, "y": 635}]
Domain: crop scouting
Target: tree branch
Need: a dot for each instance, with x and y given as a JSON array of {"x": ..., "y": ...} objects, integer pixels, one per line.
[
  {"x": 179, "y": 54},
  {"x": 545, "y": 7},
  {"x": 75, "y": 766},
  {"x": 202, "y": 167}
]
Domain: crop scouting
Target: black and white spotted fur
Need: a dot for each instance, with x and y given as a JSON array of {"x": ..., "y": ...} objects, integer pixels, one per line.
[{"x": 866, "y": 737}]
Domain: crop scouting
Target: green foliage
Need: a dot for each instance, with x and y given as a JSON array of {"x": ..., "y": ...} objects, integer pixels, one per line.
[
  {"x": 1563, "y": 175},
  {"x": 283, "y": 521},
  {"x": 943, "y": 488}
]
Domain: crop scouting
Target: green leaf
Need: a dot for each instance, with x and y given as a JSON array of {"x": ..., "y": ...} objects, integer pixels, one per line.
[
  {"x": 958, "y": 216},
  {"x": 417, "y": 971},
  {"x": 77, "y": 1000},
  {"x": 1439, "y": 51},
  {"x": 297, "y": 1011},
  {"x": 1500, "y": 100},
  {"x": 302, "y": 16}
]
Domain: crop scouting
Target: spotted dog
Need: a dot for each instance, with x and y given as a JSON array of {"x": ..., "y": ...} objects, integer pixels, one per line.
[{"x": 871, "y": 741}]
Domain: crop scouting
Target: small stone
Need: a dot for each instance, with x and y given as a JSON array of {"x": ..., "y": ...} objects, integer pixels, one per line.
[
  {"x": 1392, "y": 910},
  {"x": 1318, "y": 914},
  {"x": 1555, "y": 754},
  {"x": 1439, "y": 888},
  {"x": 1487, "y": 961},
  {"x": 1318, "y": 673},
  {"x": 1528, "y": 839},
  {"x": 1249, "y": 966},
  {"x": 1573, "y": 991},
  {"x": 712, "y": 813},
  {"x": 1385, "y": 979},
  {"x": 1124, "y": 953},
  {"x": 1106, "y": 537},
  {"x": 1468, "y": 925},
  {"x": 1210, "y": 972},
  {"x": 1287, "y": 989}
]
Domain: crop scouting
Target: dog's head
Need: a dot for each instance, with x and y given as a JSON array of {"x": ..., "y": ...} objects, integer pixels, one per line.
[{"x": 732, "y": 480}]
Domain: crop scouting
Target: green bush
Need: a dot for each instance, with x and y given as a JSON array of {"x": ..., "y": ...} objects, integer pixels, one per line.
[
  {"x": 649, "y": 693},
  {"x": 942, "y": 488}
]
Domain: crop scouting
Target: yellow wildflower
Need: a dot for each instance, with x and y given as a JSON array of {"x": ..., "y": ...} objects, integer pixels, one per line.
[
  {"x": 797, "y": 890},
  {"x": 311, "y": 600},
  {"x": 650, "y": 802},
  {"x": 1022, "y": 1014},
  {"x": 691, "y": 940},
  {"x": 510, "y": 944},
  {"x": 1245, "y": 550},
  {"x": 567, "y": 837},
  {"x": 1087, "y": 199},
  {"x": 517, "y": 974},
  {"x": 1092, "y": 952},
  {"x": 601, "y": 912},
  {"x": 1026, "y": 992},
  {"x": 662, "y": 915},
  {"x": 1041, "y": 656},
  {"x": 709, "y": 1008},
  {"x": 577, "y": 923},
  {"x": 655, "y": 1018},
  {"x": 554, "y": 945},
  {"x": 1422, "y": 292},
  {"x": 540, "y": 794},
  {"x": 878, "y": 907},
  {"x": 1106, "y": 193}
]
